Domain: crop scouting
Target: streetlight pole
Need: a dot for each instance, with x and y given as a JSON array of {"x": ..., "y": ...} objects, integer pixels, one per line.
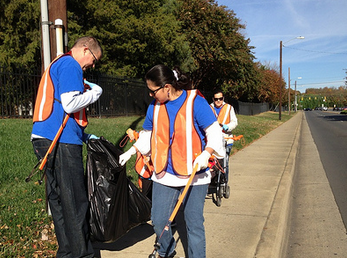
[
  {"x": 289, "y": 106},
  {"x": 280, "y": 82},
  {"x": 295, "y": 100}
]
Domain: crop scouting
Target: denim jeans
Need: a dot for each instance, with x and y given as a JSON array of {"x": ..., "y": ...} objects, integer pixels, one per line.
[
  {"x": 164, "y": 199},
  {"x": 67, "y": 197}
]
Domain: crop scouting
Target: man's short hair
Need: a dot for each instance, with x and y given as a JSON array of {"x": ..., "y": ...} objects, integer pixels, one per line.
[
  {"x": 216, "y": 91},
  {"x": 89, "y": 42}
]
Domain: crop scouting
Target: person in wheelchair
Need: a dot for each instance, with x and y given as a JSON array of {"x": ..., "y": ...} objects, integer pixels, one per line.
[{"x": 227, "y": 119}]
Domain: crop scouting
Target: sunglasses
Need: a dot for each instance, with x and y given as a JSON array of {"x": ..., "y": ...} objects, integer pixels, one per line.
[
  {"x": 153, "y": 92},
  {"x": 218, "y": 99}
]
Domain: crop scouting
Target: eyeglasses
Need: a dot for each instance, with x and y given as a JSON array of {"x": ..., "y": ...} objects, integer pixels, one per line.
[
  {"x": 218, "y": 99},
  {"x": 95, "y": 59},
  {"x": 153, "y": 92}
]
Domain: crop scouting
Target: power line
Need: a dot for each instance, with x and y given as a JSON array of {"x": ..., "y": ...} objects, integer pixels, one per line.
[
  {"x": 303, "y": 84},
  {"x": 315, "y": 51}
]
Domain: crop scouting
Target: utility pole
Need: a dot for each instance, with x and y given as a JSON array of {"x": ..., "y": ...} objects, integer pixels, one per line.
[
  {"x": 46, "y": 57},
  {"x": 295, "y": 100},
  {"x": 58, "y": 16},
  {"x": 52, "y": 10},
  {"x": 288, "y": 90},
  {"x": 280, "y": 84}
]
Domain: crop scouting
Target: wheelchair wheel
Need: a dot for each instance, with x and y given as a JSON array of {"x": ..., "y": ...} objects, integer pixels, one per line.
[
  {"x": 219, "y": 201},
  {"x": 220, "y": 191},
  {"x": 227, "y": 192},
  {"x": 216, "y": 199}
]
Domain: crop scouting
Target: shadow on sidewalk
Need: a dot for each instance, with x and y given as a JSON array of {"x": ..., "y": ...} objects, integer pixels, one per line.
[
  {"x": 141, "y": 233},
  {"x": 134, "y": 236}
]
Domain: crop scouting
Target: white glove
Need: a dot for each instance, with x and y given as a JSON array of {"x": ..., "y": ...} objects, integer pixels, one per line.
[
  {"x": 126, "y": 156},
  {"x": 202, "y": 160}
]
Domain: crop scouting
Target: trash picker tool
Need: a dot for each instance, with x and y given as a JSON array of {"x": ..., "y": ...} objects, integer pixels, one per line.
[
  {"x": 42, "y": 162},
  {"x": 237, "y": 138},
  {"x": 130, "y": 134},
  {"x": 174, "y": 212}
]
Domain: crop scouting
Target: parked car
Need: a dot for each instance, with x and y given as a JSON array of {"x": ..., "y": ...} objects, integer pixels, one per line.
[
  {"x": 337, "y": 109},
  {"x": 307, "y": 109},
  {"x": 324, "y": 109}
]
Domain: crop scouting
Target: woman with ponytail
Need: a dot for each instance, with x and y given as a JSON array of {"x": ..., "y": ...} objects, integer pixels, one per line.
[{"x": 180, "y": 132}]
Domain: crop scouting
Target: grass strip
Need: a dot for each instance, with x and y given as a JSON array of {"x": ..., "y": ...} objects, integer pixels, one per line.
[{"x": 25, "y": 228}]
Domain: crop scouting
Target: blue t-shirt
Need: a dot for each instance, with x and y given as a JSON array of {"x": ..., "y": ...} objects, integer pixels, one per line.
[
  {"x": 217, "y": 109},
  {"x": 202, "y": 113},
  {"x": 67, "y": 75}
]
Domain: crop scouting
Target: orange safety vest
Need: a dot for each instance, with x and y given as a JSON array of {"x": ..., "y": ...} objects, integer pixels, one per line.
[
  {"x": 186, "y": 143},
  {"x": 143, "y": 165},
  {"x": 224, "y": 114},
  {"x": 45, "y": 99}
]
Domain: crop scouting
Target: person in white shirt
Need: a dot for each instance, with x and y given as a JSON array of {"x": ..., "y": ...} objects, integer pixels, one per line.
[{"x": 227, "y": 119}]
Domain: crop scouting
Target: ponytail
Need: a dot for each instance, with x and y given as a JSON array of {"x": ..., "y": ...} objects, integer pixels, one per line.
[
  {"x": 161, "y": 75},
  {"x": 183, "y": 80}
]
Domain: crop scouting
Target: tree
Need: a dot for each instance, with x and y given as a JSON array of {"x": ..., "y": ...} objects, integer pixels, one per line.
[
  {"x": 200, "y": 36},
  {"x": 135, "y": 35},
  {"x": 20, "y": 45},
  {"x": 222, "y": 56},
  {"x": 269, "y": 84},
  {"x": 20, "y": 39}
]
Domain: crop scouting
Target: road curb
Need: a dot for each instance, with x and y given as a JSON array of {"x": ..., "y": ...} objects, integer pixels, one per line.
[{"x": 275, "y": 232}]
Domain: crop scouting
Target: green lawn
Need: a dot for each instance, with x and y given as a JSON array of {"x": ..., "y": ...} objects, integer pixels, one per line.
[{"x": 23, "y": 220}]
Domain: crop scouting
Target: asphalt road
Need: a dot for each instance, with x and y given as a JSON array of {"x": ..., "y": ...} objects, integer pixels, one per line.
[
  {"x": 319, "y": 211},
  {"x": 329, "y": 131}
]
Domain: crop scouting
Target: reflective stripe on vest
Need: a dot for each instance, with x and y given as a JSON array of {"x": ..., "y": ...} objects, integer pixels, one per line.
[
  {"x": 186, "y": 143},
  {"x": 160, "y": 139},
  {"x": 143, "y": 165},
  {"x": 45, "y": 96},
  {"x": 45, "y": 99},
  {"x": 81, "y": 118},
  {"x": 224, "y": 114}
]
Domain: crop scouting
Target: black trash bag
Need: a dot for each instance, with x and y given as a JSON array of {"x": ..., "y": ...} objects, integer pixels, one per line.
[{"x": 116, "y": 204}]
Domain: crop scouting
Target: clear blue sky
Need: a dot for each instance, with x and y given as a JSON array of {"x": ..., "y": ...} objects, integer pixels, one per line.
[{"x": 320, "y": 59}]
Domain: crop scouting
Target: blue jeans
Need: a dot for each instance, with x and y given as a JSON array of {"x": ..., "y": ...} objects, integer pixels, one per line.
[
  {"x": 164, "y": 199},
  {"x": 67, "y": 197}
]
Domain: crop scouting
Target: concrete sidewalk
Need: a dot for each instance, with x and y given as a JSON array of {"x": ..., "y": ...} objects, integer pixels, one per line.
[{"x": 253, "y": 221}]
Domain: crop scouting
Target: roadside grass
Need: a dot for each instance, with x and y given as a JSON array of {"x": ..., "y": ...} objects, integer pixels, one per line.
[
  {"x": 25, "y": 228},
  {"x": 254, "y": 127}
]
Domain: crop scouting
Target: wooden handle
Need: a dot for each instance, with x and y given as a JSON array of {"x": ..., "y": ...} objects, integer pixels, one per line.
[
  {"x": 183, "y": 194},
  {"x": 50, "y": 149}
]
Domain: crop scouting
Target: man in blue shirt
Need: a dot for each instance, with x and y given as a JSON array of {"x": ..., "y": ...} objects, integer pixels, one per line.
[{"x": 63, "y": 84}]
